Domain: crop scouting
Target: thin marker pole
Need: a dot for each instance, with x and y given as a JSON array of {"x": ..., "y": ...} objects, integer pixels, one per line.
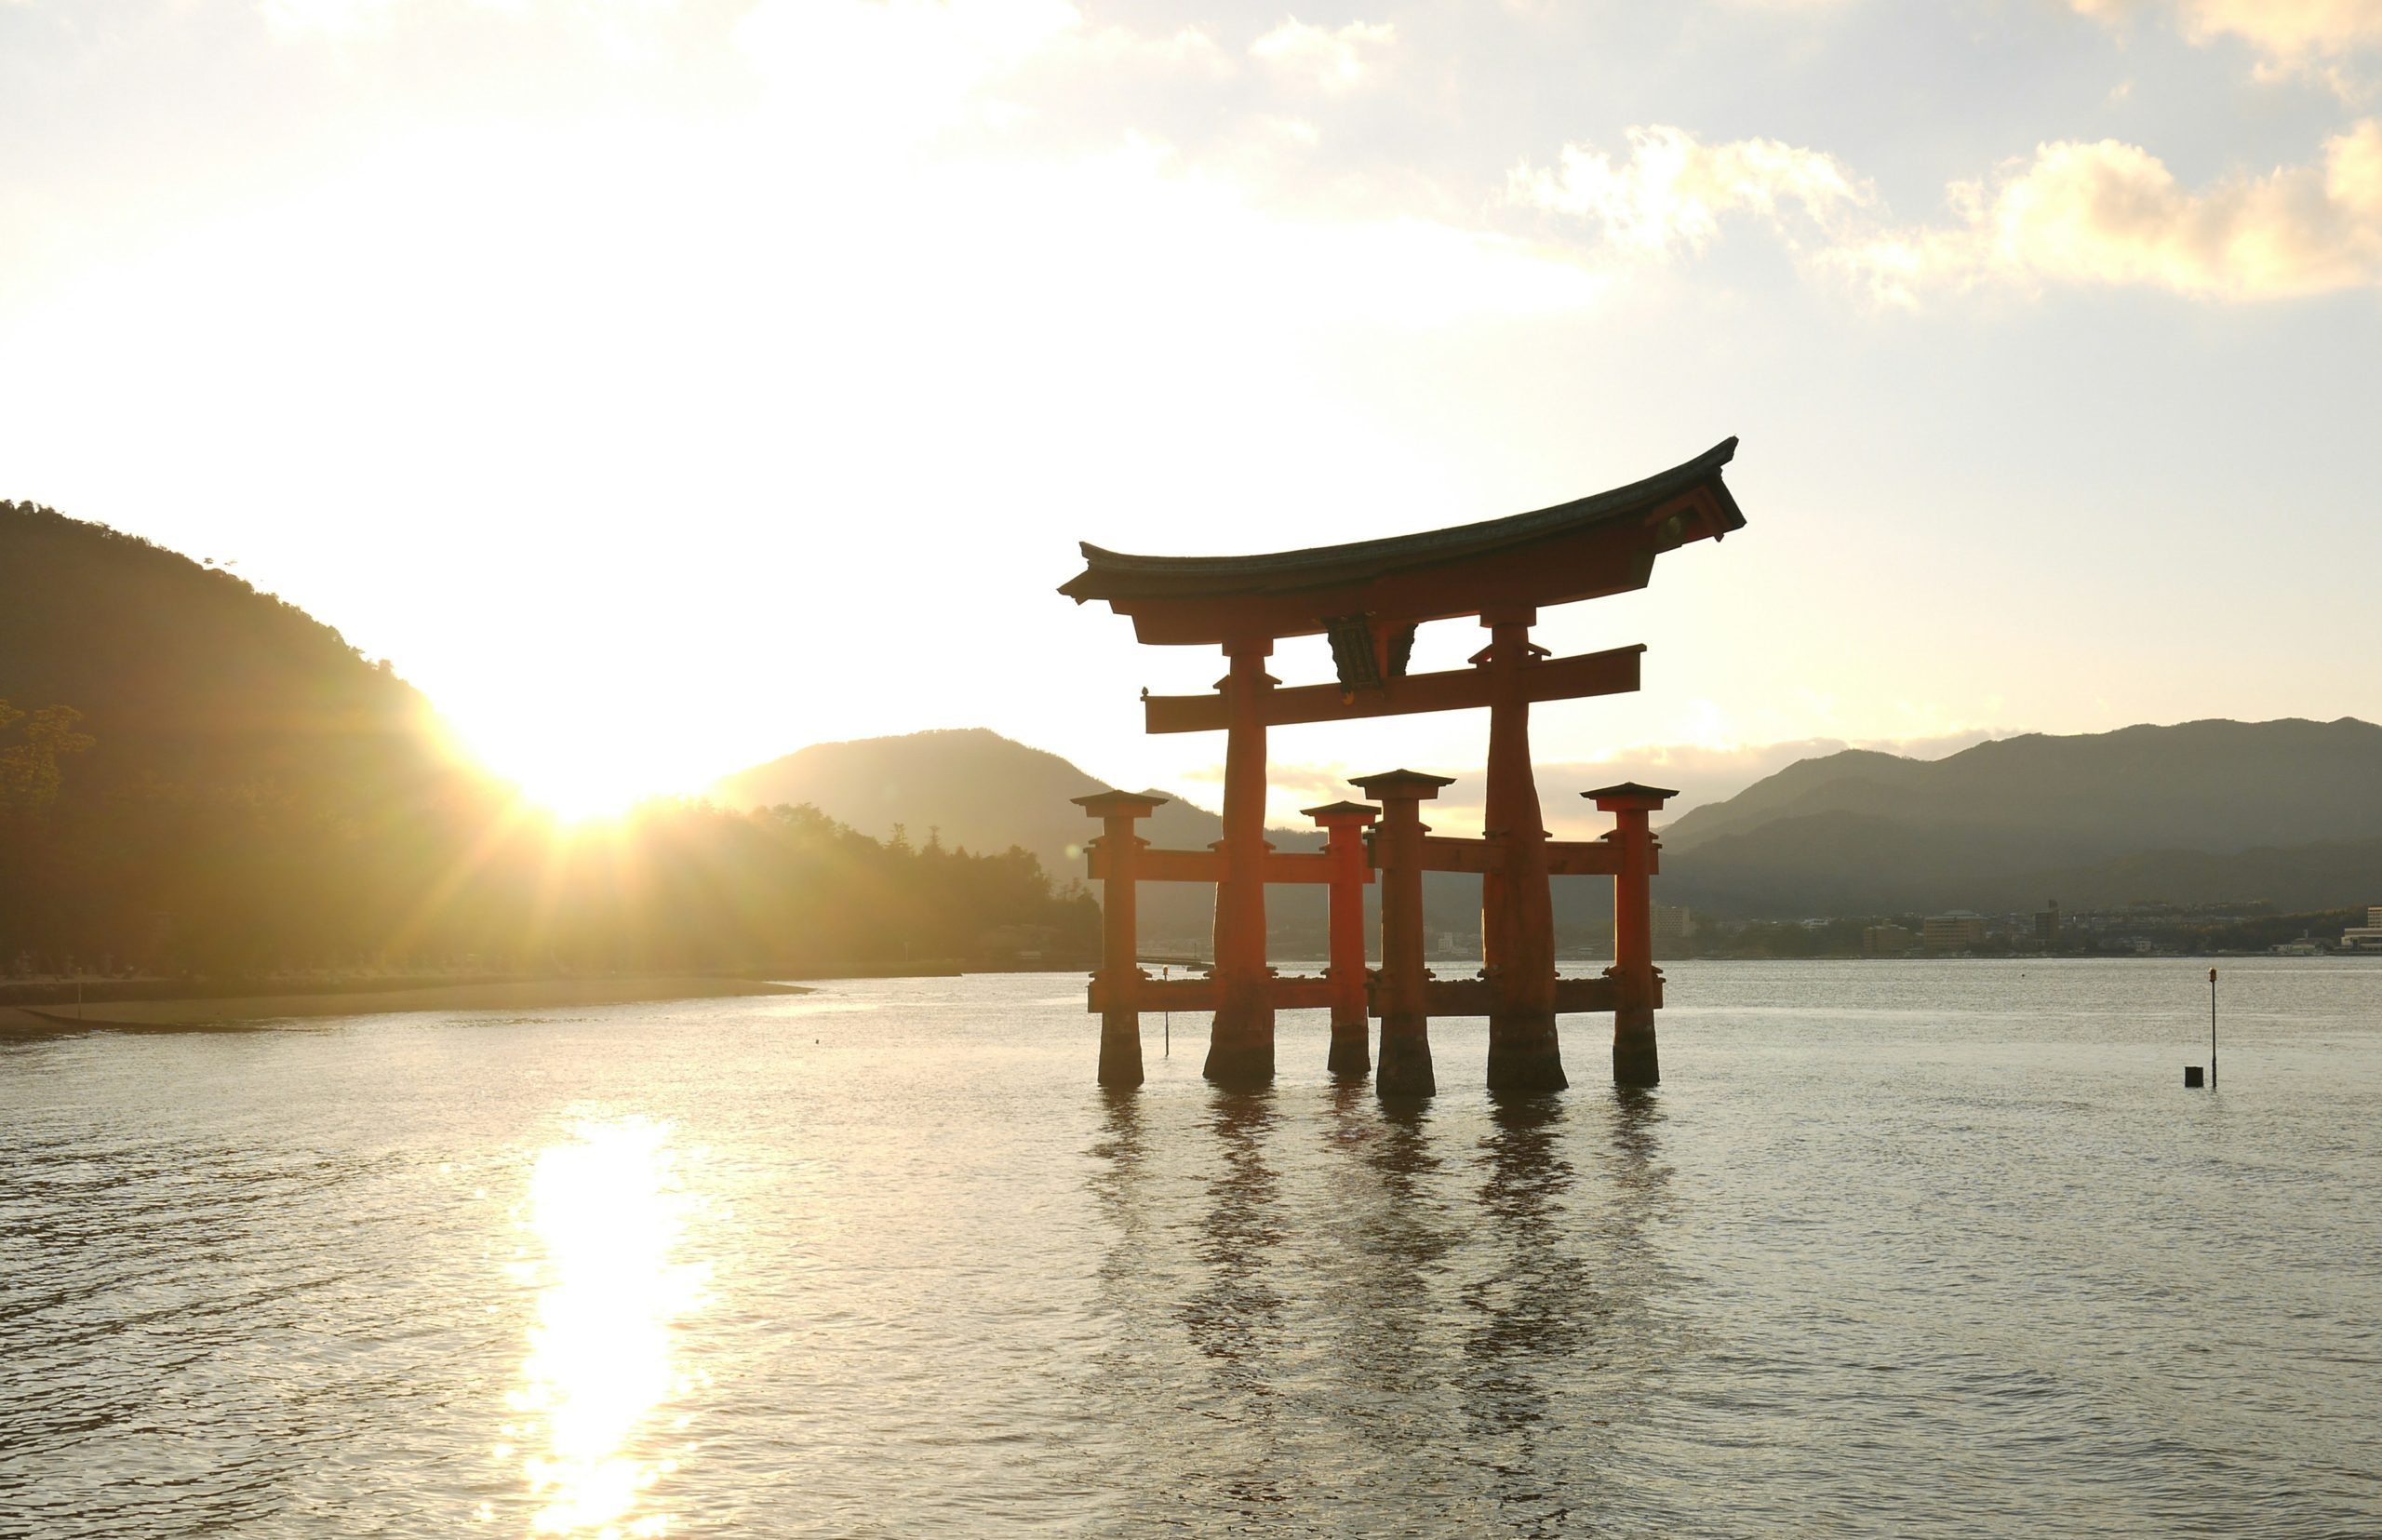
[{"x": 2212, "y": 1029}]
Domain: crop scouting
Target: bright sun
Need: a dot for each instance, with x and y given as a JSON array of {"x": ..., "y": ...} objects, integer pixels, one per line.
[
  {"x": 577, "y": 781},
  {"x": 576, "y": 797}
]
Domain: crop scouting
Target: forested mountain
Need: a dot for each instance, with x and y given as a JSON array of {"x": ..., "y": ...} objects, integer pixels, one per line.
[
  {"x": 970, "y": 786},
  {"x": 980, "y": 790},
  {"x": 196, "y": 777},
  {"x": 185, "y": 674},
  {"x": 2289, "y": 811}
]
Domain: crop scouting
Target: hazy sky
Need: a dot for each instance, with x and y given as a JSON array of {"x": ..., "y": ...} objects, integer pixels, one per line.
[{"x": 667, "y": 386}]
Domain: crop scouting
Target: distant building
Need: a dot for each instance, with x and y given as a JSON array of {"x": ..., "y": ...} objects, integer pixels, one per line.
[
  {"x": 1669, "y": 922},
  {"x": 2366, "y": 937},
  {"x": 1956, "y": 932},
  {"x": 1888, "y": 941},
  {"x": 2047, "y": 927}
]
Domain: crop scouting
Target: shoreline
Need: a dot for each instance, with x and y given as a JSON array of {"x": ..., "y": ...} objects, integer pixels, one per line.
[{"x": 202, "y": 1013}]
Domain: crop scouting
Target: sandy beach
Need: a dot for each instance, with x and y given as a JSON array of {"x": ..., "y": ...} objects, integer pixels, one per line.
[{"x": 491, "y": 994}]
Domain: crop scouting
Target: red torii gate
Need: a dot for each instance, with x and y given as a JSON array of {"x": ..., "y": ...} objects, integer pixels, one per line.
[{"x": 1368, "y": 597}]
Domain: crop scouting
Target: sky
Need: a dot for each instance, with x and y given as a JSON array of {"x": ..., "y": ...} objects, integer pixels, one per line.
[{"x": 663, "y": 385}]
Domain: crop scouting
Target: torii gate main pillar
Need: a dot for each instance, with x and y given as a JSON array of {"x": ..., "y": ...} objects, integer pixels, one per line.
[
  {"x": 1517, "y": 907},
  {"x": 1240, "y": 1040}
]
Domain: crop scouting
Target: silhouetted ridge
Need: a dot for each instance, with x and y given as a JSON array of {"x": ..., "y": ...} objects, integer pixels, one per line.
[
  {"x": 981, "y": 791},
  {"x": 187, "y": 675},
  {"x": 257, "y": 798},
  {"x": 2174, "y": 814}
]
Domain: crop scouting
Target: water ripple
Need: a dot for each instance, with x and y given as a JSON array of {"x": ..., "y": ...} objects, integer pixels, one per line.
[{"x": 1906, "y": 1251}]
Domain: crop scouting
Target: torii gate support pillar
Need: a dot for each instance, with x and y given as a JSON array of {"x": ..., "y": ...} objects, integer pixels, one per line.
[
  {"x": 1404, "y": 1069},
  {"x": 1351, "y": 1024},
  {"x": 1635, "y": 1061},
  {"x": 1121, "y": 973}
]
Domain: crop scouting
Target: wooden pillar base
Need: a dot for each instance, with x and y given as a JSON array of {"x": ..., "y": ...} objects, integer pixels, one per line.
[
  {"x": 1239, "y": 1065},
  {"x": 1120, "y": 1050},
  {"x": 1241, "y": 1035},
  {"x": 1524, "y": 1052},
  {"x": 1634, "y": 1062},
  {"x": 1405, "y": 1068},
  {"x": 1351, "y": 1053}
]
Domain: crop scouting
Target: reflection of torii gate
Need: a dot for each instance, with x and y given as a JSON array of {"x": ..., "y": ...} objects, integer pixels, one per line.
[{"x": 1368, "y": 597}]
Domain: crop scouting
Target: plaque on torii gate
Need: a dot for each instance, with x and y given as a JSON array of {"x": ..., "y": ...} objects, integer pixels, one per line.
[{"x": 1368, "y": 597}]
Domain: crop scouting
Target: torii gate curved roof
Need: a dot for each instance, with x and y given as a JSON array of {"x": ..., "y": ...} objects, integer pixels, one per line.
[{"x": 1605, "y": 543}]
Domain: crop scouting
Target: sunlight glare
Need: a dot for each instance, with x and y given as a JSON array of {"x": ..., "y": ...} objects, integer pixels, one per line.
[
  {"x": 608, "y": 1212},
  {"x": 579, "y": 783}
]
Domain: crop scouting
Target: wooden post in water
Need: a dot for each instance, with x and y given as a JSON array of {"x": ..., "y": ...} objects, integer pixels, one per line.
[
  {"x": 1404, "y": 1068},
  {"x": 1351, "y": 1024},
  {"x": 2212, "y": 1029},
  {"x": 1120, "y": 972},
  {"x": 1635, "y": 1059},
  {"x": 1240, "y": 1040}
]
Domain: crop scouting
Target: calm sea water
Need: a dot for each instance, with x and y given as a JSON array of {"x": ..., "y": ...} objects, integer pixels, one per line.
[{"x": 1898, "y": 1248}]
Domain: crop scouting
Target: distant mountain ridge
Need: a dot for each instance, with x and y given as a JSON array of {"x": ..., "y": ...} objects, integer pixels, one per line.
[
  {"x": 2287, "y": 810},
  {"x": 971, "y": 787}
]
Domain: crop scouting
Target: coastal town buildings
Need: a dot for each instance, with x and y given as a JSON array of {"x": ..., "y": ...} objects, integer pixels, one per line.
[
  {"x": 1889, "y": 941},
  {"x": 1956, "y": 932}
]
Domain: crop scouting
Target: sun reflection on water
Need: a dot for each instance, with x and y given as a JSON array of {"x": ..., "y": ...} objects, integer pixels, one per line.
[{"x": 606, "y": 1217}]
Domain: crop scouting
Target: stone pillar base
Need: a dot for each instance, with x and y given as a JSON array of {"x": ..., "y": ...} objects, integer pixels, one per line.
[{"x": 1524, "y": 1052}]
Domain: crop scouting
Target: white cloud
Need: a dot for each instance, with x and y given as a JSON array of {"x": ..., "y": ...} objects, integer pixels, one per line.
[
  {"x": 1671, "y": 191},
  {"x": 1188, "y": 50},
  {"x": 2283, "y": 28},
  {"x": 2104, "y": 212},
  {"x": 2293, "y": 35},
  {"x": 911, "y": 64},
  {"x": 371, "y": 17},
  {"x": 333, "y": 17},
  {"x": 1332, "y": 61},
  {"x": 2113, "y": 213}
]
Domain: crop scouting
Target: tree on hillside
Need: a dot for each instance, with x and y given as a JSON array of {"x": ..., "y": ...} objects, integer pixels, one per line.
[{"x": 30, "y": 774}]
